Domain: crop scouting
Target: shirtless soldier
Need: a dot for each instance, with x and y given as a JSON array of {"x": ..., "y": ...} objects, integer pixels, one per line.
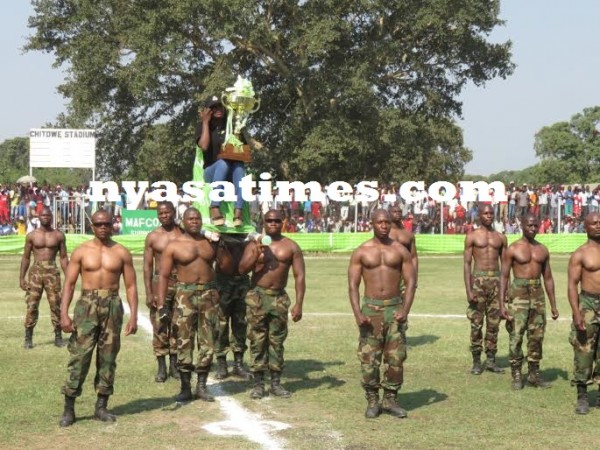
[
  {"x": 525, "y": 309},
  {"x": 192, "y": 255},
  {"x": 404, "y": 237},
  {"x": 484, "y": 249},
  {"x": 584, "y": 270},
  {"x": 382, "y": 319},
  {"x": 267, "y": 302},
  {"x": 45, "y": 243},
  {"x": 98, "y": 315},
  {"x": 164, "y": 339}
]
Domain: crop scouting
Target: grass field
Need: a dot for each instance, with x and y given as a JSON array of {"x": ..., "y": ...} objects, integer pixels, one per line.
[{"x": 448, "y": 407}]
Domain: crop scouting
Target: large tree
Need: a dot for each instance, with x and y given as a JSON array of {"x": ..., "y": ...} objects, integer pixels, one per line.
[
  {"x": 570, "y": 151},
  {"x": 350, "y": 89}
]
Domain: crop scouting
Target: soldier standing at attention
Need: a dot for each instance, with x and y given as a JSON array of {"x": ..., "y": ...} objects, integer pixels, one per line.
[
  {"x": 98, "y": 315},
  {"x": 164, "y": 338},
  {"x": 382, "y": 319},
  {"x": 267, "y": 302},
  {"x": 45, "y": 243},
  {"x": 525, "y": 309},
  {"x": 584, "y": 270},
  {"x": 484, "y": 248}
]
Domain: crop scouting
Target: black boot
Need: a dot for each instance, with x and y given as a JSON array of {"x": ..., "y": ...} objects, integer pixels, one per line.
[
  {"x": 477, "y": 369},
  {"x": 201, "y": 390},
  {"x": 583, "y": 404},
  {"x": 517, "y": 376},
  {"x": 373, "y": 407},
  {"x": 258, "y": 391},
  {"x": 221, "y": 368},
  {"x": 186, "y": 388},
  {"x": 534, "y": 377},
  {"x": 173, "y": 371},
  {"x": 390, "y": 405},
  {"x": 101, "y": 413},
  {"x": 58, "y": 340},
  {"x": 161, "y": 375},
  {"x": 28, "y": 338},
  {"x": 68, "y": 417},
  {"x": 490, "y": 364},
  {"x": 238, "y": 366},
  {"x": 276, "y": 388}
]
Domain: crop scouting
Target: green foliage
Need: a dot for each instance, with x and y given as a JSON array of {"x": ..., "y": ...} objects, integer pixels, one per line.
[
  {"x": 342, "y": 83},
  {"x": 570, "y": 151}
]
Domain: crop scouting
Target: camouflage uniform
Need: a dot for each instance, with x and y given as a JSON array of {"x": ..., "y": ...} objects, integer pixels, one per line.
[
  {"x": 43, "y": 275},
  {"x": 198, "y": 312},
  {"x": 267, "y": 316},
  {"x": 384, "y": 338},
  {"x": 527, "y": 306},
  {"x": 164, "y": 339},
  {"x": 585, "y": 343},
  {"x": 485, "y": 287},
  {"x": 232, "y": 292},
  {"x": 97, "y": 319}
]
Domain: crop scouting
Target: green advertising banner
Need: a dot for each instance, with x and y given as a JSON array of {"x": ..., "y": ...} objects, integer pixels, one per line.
[{"x": 139, "y": 221}]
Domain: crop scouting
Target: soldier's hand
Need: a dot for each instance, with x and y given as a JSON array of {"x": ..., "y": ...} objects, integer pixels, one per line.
[
  {"x": 131, "y": 327},
  {"x": 579, "y": 322},
  {"x": 471, "y": 297},
  {"x": 24, "y": 285},
  {"x": 66, "y": 324},
  {"x": 505, "y": 315},
  {"x": 296, "y": 313},
  {"x": 362, "y": 320},
  {"x": 164, "y": 314},
  {"x": 400, "y": 316},
  {"x": 555, "y": 314}
]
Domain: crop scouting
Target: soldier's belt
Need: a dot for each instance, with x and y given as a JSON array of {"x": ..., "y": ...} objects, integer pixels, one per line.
[
  {"x": 100, "y": 292},
  {"x": 590, "y": 295},
  {"x": 172, "y": 276},
  {"x": 269, "y": 291},
  {"x": 385, "y": 302},
  {"x": 196, "y": 286},
  {"x": 527, "y": 281},
  {"x": 486, "y": 273},
  {"x": 45, "y": 263}
]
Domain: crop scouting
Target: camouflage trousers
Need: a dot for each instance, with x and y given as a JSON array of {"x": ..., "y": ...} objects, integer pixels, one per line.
[
  {"x": 382, "y": 339},
  {"x": 485, "y": 287},
  {"x": 526, "y": 304},
  {"x": 43, "y": 275},
  {"x": 164, "y": 339},
  {"x": 585, "y": 343},
  {"x": 267, "y": 316},
  {"x": 97, "y": 319},
  {"x": 198, "y": 316},
  {"x": 232, "y": 292}
]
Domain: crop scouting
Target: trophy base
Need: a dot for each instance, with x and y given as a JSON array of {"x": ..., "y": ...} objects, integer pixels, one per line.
[{"x": 232, "y": 153}]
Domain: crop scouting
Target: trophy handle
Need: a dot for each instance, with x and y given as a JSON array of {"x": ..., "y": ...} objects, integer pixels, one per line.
[
  {"x": 256, "y": 106},
  {"x": 224, "y": 101}
]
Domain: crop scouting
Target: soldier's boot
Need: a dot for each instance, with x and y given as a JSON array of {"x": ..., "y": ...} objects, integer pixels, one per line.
[
  {"x": 490, "y": 364},
  {"x": 583, "y": 404},
  {"x": 477, "y": 368},
  {"x": 201, "y": 390},
  {"x": 276, "y": 388},
  {"x": 534, "y": 377},
  {"x": 28, "y": 338},
  {"x": 101, "y": 412},
  {"x": 238, "y": 366},
  {"x": 68, "y": 417},
  {"x": 185, "y": 395},
  {"x": 517, "y": 376},
  {"x": 221, "y": 368},
  {"x": 58, "y": 339},
  {"x": 373, "y": 407},
  {"x": 390, "y": 405},
  {"x": 161, "y": 374},
  {"x": 173, "y": 371},
  {"x": 258, "y": 391}
]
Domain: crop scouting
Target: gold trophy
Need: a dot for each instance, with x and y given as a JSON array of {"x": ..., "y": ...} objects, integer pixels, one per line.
[{"x": 240, "y": 103}]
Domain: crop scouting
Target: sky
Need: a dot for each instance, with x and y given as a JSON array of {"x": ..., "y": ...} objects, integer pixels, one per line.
[{"x": 556, "y": 47}]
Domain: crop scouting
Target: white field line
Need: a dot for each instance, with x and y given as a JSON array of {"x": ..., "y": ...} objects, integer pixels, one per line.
[{"x": 239, "y": 420}]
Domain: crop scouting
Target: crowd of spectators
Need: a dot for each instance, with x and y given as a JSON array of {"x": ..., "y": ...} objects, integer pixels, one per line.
[{"x": 560, "y": 208}]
